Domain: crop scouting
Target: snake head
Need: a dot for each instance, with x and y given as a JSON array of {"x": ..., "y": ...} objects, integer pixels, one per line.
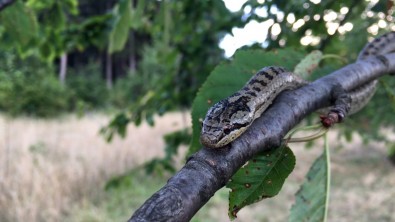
[{"x": 224, "y": 122}]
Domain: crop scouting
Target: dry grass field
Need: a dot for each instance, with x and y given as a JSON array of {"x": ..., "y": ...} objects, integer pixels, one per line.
[
  {"x": 50, "y": 166},
  {"x": 52, "y": 170}
]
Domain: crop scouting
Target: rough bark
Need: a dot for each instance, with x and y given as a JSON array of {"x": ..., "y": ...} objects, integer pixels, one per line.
[{"x": 208, "y": 170}]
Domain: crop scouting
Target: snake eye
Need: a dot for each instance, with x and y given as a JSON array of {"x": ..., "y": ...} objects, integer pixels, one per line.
[{"x": 226, "y": 129}]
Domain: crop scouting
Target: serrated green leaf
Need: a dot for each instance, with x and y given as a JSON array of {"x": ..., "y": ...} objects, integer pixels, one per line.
[
  {"x": 312, "y": 199},
  {"x": 262, "y": 177},
  {"x": 117, "y": 125},
  {"x": 72, "y": 6},
  {"x": 228, "y": 78},
  {"x": 120, "y": 32},
  {"x": 390, "y": 93},
  {"x": 308, "y": 64},
  {"x": 20, "y": 23},
  {"x": 138, "y": 17},
  {"x": 56, "y": 17}
]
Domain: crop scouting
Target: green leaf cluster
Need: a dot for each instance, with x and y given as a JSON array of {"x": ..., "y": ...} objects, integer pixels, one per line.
[
  {"x": 20, "y": 26},
  {"x": 313, "y": 197},
  {"x": 173, "y": 141},
  {"x": 29, "y": 89},
  {"x": 261, "y": 177},
  {"x": 122, "y": 23}
]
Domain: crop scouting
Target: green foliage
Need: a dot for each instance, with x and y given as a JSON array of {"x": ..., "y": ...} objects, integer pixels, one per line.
[
  {"x": 70, "y": 5},
  {"x": 91, "y": 32},
  {"x": 178, "y": 63},
  {"x": 39, "y": 148},
  {"x": 20, "y": 25},
  {"x": 173, "y": 141},
  {"x": 54, "y": 15},
  {"x": 30, "y": 89},
  {"x": 125, "y": 91},
  {"x": 127, "y": 192},
  {"x": 87, "y": 86},
  {"x": 121, "y": 93},
  {"x": 145, "y": 91},
  {"x": 308, "y": 64},
  {"x": 261, "y": 177},
  {"x": 313, "y": 197},
  {"x": 33, "y": 94},
  {"x": 347, "y": 44},
  {"x": 219, "y": 86},
  {"x": 122, "y": 21},
  {"x": 117, "y": 125},
  {"x": 174, "y": 45},
  {"x": 51, "y": 27}
]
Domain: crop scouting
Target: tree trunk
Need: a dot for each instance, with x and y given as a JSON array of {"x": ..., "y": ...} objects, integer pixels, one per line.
[
  {"x": 132, "y": 52},
  {"x": 109, "y": 70},
  {"x": 63, "y": 68}
]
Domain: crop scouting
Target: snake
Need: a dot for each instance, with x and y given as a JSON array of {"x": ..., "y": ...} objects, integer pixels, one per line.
[{"x": 229, "y": 118}]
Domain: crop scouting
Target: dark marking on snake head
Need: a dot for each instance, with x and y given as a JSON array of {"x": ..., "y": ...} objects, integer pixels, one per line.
[
  {"x": 259, "y": 81},
  {"x": 383, "y": 59},
  {"x": 277, "y": 70},
  {"x": 252, "y": 93},
  {"x": 268, "y": 75},
  {"x": 274, "y": 70}
]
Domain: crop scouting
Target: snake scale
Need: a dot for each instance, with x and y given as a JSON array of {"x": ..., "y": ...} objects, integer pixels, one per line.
[{"x": 230, "y": 117}]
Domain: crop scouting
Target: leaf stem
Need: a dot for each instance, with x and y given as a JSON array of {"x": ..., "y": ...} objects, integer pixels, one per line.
[
  {"x": 333, "y": 56},
  {"x": 295, "y": 130},
  {"x": 322, "y": 131},
  {"x": 328, "y": 175}
]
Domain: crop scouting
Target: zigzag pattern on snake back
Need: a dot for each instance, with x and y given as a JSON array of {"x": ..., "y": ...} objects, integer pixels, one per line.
[{"x": 230, "y": 117}]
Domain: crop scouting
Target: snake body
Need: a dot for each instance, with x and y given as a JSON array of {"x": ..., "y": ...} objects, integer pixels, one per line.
[{"x": 230, "y": 117}]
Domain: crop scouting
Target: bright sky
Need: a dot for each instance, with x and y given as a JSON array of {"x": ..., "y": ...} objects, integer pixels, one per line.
[
  {"x": 252, "y": 32},
  {"x": 256, "y": 32}
]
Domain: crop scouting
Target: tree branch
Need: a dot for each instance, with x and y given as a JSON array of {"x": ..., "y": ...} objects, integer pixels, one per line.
[
  {"x": 210, "y": 169},
  {"x": 5, "y": 3}
]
